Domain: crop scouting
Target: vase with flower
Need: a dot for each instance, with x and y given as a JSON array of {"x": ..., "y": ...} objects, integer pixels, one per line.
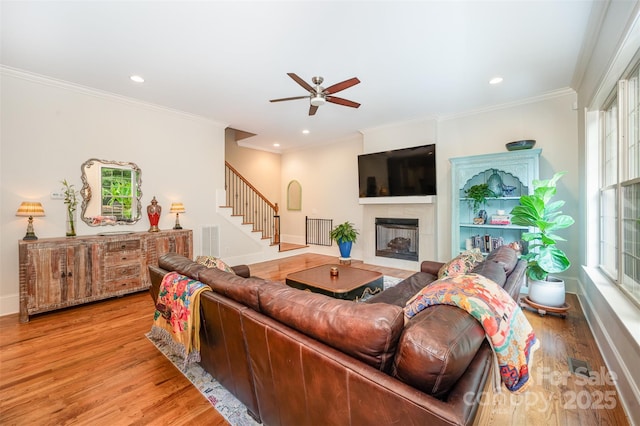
[{"x": 71, "y": 201}]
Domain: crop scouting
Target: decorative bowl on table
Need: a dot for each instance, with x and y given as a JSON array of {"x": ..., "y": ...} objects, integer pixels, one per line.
[{"x": 518, "y": 145}]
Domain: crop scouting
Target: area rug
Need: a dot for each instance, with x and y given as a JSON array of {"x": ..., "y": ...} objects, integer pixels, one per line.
[
  {"x": 222, "y": 400},
  {"x": 389, "y": 282}
]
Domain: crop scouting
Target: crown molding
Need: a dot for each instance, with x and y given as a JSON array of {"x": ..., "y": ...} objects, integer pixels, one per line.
[
  {"x": 534, "y": 99},
  {"x": 89, "y": 91}
]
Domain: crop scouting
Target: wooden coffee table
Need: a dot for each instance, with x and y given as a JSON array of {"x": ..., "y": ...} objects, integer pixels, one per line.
[{"x": 349, "y": 284}]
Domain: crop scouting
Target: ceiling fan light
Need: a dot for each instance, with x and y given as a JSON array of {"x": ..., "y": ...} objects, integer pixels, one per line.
[{"x": 318, "y": 100}]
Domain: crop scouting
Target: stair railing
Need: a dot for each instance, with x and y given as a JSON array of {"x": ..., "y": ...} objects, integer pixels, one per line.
[{"x": 246, "y": 201}]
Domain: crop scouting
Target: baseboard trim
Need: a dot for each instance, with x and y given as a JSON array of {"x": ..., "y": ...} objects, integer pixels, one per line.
[{"x": 9, "y": 304}]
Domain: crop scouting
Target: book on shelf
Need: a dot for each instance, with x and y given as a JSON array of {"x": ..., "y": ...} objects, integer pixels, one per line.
[
  {"x": 486, "y": 243},
  {"x": 500, "y": 219}
]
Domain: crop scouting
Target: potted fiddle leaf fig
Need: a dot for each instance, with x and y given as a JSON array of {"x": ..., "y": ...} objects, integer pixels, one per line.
[
  {"x": 345, "y": 235},
  {"x": 544, "y": 257}
]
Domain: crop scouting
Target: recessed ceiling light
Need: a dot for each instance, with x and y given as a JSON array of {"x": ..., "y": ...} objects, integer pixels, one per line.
[
  {"x": 495, "y": 80},
  {"x": 276, "y": 145},
  {"x": 305, "y": 132},
  {"x": 137, "y": 79}
]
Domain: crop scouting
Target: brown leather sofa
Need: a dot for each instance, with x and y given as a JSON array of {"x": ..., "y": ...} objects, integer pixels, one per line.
[{"x": 300, "y": 358}]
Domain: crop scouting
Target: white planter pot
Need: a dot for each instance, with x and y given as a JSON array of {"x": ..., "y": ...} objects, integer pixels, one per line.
[{"x": 547, "y": 293}]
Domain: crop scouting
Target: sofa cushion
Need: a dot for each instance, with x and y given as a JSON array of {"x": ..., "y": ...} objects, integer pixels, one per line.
[
  {"x": 368, "y": 332},
  {"x": 505, "y": 256},
  {"x": 180, "y": 264},
  {"x": 214, "y": 262},
  {"x": 404, "y": 290},
  {"x": 242, "y": 290},
  {"x": 461, "y": 264},
  {"x": 435, "y": 349}
]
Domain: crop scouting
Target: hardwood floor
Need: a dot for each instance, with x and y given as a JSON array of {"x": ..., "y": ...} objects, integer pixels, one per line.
[{"x": 93, "y": 365}]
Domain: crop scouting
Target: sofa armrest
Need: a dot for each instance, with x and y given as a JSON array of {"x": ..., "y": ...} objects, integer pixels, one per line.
[
  {"x": 431, "y": 267},
  {"x": 242, "y": 271}
]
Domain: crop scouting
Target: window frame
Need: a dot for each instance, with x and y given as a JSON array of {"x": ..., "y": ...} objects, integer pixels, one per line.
[{"x": 619, "y": 101}]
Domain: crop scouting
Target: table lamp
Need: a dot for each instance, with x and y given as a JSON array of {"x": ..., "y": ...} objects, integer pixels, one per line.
[
  {"x": 30, "y": 209},
  {"x": 177, "y": 208}
]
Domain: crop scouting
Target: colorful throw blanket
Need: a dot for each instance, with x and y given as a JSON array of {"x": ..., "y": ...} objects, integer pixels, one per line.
[
  {"x": 507, "y": 329},
  {"x": 177, "y": 317}
]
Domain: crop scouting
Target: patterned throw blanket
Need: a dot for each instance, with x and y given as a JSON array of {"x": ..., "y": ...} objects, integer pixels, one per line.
[
  {"x": 507, "y": 329},
  {"x": 177, "y": 317}
]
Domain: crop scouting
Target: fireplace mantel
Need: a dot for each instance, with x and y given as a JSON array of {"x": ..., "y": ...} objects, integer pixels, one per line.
[
  {"x": 425, "y": 213},
  {"x": 416, "y": 199}
]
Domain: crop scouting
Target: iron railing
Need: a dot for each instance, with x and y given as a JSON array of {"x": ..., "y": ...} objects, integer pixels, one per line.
[{"x": 317, "y": 231}]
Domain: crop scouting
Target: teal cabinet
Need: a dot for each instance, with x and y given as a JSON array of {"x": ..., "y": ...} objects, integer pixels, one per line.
[{"x": 509, "y": 174}]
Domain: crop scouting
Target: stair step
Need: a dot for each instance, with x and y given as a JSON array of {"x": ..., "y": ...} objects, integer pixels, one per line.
[{"x": 290, "y": 246}]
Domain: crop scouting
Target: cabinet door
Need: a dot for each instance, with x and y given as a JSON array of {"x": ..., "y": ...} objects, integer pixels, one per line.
[
  {"x": 167, "y": 242},
  {"x": 176, "y": 243},
  {"x": 56, "y": 276}
]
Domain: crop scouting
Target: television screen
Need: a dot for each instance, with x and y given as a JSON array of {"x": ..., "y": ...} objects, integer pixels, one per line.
[{"x": 398, "y": 173}]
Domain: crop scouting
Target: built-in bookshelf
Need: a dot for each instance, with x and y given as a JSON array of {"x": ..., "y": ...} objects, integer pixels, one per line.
[{"x": 512, "y": 172}]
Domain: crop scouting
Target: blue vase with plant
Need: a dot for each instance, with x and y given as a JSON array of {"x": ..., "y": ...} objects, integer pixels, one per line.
[{"x": 345, "y": 235}]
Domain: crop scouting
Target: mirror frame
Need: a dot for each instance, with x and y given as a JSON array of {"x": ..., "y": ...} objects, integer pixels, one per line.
[{"x": 86, "y": 191}]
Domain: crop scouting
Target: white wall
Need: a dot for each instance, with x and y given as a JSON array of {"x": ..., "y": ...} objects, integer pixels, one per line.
[
  {"x": 329, "y": 179},
  {"x": 50, "y": 128},
  {"x": 255, "y": 165},
  {"x": 400, "y": 135}
]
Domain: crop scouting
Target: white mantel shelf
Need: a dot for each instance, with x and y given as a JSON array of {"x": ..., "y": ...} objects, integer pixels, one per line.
[{"x": 417, "y": 199}]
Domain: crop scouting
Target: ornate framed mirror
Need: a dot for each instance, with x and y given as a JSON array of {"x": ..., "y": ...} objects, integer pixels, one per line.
[{"x": 111, "y": 192}]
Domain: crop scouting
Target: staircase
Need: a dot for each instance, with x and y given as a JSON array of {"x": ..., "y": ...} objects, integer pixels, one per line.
[{"x": 246, "y": 202}]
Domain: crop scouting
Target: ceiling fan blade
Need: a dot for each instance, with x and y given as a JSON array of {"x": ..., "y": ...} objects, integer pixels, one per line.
[
  {"x": 290, "y": 99},
  {"x": 301, "y": 82},
  {"x": 341, "y": 86},
  {"x": 312, "y": 110},
  {"x": 340, "y": 101}
]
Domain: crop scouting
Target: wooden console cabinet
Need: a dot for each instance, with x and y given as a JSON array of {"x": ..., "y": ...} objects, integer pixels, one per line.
[{"x": 60, "y": 272}]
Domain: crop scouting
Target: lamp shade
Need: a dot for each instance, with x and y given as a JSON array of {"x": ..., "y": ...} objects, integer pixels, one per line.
[
  {"x": 177, "y": 208},
  {"x": 30, "y": 209}
]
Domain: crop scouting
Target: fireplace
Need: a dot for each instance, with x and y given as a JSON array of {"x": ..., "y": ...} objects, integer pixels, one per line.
[{"x": 397, "y": 238}]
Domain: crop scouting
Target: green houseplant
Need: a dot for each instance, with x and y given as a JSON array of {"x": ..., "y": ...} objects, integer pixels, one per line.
[
  {"x": 478, "y": 195},
  {"x": 544, "y": 257},
  {"x": 344, "y": 235}
]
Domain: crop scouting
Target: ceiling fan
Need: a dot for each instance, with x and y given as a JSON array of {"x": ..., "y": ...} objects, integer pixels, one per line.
[{"x": 318, "y": 95}]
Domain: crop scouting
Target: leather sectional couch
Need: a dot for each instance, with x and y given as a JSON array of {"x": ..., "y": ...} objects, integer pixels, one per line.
[{"x": 300, "y": 358}]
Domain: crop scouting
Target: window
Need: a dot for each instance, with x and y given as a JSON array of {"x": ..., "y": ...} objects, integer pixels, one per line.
[
  {"x": 117, "y": 193},
  {"x": 620, "y": 186}
]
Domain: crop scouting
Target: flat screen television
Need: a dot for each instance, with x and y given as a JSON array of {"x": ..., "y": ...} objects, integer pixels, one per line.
[{"x": 398, "y": 173}]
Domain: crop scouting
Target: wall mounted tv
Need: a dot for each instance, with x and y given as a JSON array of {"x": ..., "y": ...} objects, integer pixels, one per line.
[{"x": 398, "y": 173}]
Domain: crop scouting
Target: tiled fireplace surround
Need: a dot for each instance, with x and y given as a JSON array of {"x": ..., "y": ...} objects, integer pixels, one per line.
[{"x": 426, "y": 215}]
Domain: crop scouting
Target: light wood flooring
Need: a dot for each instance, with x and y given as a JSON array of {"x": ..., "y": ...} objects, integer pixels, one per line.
[{"x": 92, "y": 365}]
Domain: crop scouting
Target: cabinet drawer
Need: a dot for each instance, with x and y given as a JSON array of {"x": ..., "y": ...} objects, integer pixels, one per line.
[
  {"x": 125, "y": 245},
  {"x": 119, "y": 259},
  {"x": 124, "y": 284},
  {"x": 124, "y": 271}
]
